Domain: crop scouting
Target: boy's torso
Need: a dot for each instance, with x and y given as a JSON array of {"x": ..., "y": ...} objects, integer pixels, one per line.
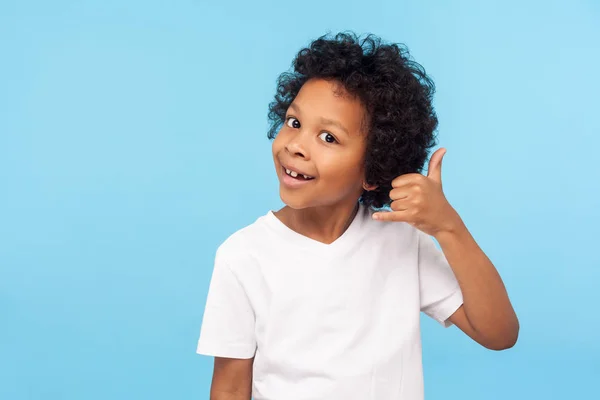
[{"x": 332, "y": 322}]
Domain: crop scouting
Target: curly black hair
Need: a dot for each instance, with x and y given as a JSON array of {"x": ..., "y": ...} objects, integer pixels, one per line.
[{"x": 395, "y": 91}]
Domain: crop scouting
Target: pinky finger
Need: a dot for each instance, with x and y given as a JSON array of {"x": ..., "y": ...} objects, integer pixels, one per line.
[{"x": 397, "y": 216}]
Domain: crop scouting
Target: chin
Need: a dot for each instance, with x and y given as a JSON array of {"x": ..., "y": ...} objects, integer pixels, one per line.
[
  {"x": 293, "y": 201},
  {"x": 289, "y": 201}
]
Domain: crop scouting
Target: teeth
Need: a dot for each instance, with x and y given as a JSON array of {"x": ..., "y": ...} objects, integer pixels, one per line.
[{"x": 295, "y": 174}]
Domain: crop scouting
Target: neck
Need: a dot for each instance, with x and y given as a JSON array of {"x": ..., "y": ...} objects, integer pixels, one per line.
[{"x": 324, "y": 224}]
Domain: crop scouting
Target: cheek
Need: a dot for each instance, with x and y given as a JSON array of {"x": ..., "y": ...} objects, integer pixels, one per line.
[{"x": 344, "y": 170}]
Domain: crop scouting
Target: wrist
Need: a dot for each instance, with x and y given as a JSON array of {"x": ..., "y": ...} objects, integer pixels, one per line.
[{"x": 453, "y": 229}]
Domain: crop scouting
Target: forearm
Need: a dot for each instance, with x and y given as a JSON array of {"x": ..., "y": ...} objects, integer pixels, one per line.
[{"x": 486, "y": 303}]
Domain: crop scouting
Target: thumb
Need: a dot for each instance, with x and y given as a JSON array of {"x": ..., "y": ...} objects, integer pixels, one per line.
[{"x": 434, "y": 170}]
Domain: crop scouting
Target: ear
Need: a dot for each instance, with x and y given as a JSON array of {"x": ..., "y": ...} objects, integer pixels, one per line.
[{"x": 368, "y": 187}]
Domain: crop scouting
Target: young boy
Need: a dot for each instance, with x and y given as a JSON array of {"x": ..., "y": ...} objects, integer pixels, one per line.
[{"x": 321, "y": 299}]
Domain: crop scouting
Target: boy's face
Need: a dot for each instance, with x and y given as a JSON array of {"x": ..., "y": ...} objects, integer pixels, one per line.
[{"x": 323, "y": 139}]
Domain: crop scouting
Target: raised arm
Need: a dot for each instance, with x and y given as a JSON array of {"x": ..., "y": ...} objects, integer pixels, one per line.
[{"x": 487, "y": 314}]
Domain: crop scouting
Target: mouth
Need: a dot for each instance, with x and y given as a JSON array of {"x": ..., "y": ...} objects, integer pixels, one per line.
[{"x": 294, "y": 179}]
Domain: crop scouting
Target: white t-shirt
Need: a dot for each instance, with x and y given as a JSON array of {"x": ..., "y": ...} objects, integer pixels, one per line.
[{"x": 335, "y": 321}]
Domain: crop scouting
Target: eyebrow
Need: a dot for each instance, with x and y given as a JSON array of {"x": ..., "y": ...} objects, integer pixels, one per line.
[{"x": 325, "y": 121}]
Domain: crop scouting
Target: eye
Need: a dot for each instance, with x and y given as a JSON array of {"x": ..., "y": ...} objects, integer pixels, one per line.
[
  {"x": 327, "y": 137},
  {"x": 292, "y": 122}
]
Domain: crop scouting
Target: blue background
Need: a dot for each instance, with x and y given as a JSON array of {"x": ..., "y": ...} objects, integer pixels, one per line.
[{"x": 133, "y": 142}]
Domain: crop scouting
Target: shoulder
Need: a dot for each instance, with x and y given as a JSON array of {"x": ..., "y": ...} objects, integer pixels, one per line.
[{"x": 242, "y": 244}]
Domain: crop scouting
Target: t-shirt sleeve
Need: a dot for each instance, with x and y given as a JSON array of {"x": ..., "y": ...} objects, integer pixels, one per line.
[
  {"x": 440, "y": 293},
  {"x": 228, "y": 323}
]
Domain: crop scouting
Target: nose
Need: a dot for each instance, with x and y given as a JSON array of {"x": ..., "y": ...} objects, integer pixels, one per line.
[{"x": 296, "y": 147}]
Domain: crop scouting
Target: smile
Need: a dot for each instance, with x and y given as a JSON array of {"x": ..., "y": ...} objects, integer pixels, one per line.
[{"x": 294, "y": 179}]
